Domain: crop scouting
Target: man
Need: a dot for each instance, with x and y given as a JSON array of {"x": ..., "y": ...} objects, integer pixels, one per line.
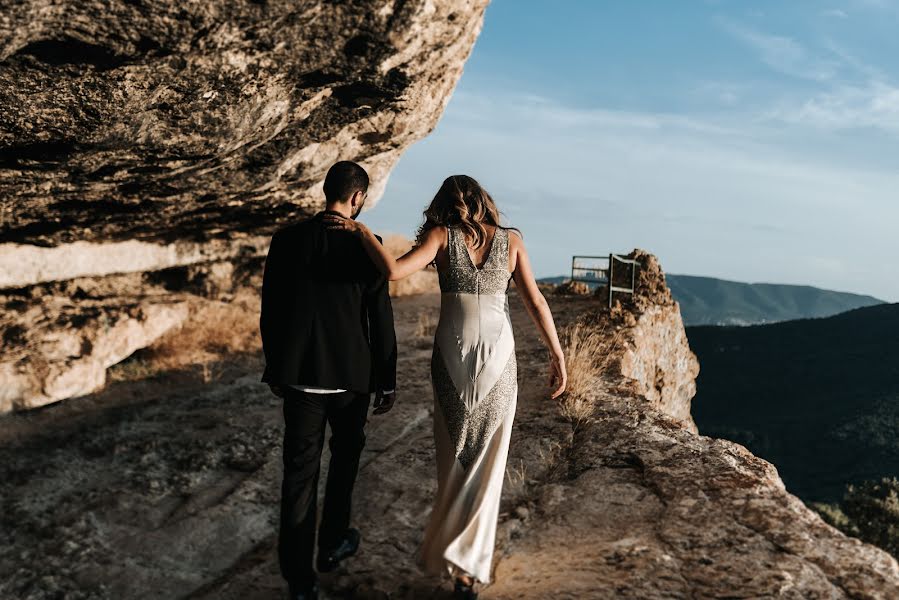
[{"x": 328, "y": 338}]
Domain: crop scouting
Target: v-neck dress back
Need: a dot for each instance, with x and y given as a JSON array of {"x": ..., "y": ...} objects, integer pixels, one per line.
[{"x": 475, "y": 385}]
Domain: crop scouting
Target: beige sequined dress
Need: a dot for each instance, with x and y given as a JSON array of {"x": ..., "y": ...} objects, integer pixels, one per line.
[{"x": 474, "y": 378}]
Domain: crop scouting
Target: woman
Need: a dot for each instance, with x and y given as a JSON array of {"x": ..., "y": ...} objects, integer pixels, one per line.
[{"x": 473, "y": 367}]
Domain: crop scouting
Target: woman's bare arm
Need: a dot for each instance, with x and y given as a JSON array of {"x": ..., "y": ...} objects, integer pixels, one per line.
[
  {"x": 538, "y": 309},
  {"x": 411, "y": 262}
]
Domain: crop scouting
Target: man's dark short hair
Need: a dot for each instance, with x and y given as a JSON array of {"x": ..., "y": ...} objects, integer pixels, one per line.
[{"x": 343, "y": 180}]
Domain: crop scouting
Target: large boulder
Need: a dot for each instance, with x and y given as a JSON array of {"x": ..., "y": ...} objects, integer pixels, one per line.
[
  {"x": 656, "y": 360},
  {"x": 161, "y": 120},
  {"x": 652, "y": 359},
  {"x": 635, "y": 504},
  {"x": 70, "y": 342}
]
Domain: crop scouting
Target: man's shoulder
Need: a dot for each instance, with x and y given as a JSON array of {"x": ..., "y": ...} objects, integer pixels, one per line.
[{"x": 295, "y": 228}]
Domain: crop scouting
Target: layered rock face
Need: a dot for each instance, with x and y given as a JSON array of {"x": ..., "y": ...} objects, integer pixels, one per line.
[
  {"x": 138, "y": 137},
  {"x": 655, "y": 361},
  {"x": 67, "y": 355},
  {"x": 60, "y": 337}
]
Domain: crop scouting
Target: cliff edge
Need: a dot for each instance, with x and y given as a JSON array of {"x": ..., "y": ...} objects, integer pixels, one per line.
[{"x": 641, "y": 506}]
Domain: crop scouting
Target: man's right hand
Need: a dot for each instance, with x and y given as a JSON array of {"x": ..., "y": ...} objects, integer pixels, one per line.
[{"x": 383, "y": 402}]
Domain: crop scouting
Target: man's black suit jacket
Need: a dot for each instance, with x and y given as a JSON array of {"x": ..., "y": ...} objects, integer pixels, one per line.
[{"x": 326, "y": 316}]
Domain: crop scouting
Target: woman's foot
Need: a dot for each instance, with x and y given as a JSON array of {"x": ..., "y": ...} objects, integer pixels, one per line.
[{"x": 464, "y": 589}]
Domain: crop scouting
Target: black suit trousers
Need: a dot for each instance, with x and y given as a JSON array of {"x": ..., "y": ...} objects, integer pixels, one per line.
[{"x": 305, "y": 415}]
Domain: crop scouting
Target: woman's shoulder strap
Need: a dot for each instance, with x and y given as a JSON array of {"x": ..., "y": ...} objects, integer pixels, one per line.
[
  {"x": 503, "y": 232},
  {"x": 451, "y": 238}
]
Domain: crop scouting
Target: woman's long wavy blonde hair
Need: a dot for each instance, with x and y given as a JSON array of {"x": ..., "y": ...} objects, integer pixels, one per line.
[{"x": 462, "y": 202}]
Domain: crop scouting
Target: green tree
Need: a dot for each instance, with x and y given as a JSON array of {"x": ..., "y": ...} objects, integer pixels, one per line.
[{"x": 872, "y": 508}]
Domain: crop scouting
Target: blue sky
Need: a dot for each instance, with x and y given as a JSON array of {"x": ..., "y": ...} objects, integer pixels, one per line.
[{"x": 753, "y": 141}]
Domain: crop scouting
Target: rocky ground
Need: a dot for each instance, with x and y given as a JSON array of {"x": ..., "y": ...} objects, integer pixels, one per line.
[{"x": 168, "y": 488}]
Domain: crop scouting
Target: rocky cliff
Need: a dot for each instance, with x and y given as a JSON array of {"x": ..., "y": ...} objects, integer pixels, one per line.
[
  {"x": 147, "y": 150},
  {"x": 170, "y": 139},
  {"x": 168, "y": 486},
  {"x": 654, "y": 361},
  {"x": 638, "y": 505}
]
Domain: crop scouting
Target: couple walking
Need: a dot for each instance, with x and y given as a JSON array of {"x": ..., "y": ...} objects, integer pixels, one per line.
[{"x": 329, "y": 342}]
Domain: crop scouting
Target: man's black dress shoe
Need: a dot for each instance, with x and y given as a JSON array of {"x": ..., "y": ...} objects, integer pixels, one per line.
[
  {"x": 328, "y": 561},
  {"x": 304, "y": 592},
  {"x": 464, "y": 591}
]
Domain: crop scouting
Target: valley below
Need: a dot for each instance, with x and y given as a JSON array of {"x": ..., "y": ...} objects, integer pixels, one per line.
[{"x": 817, "y": 397}]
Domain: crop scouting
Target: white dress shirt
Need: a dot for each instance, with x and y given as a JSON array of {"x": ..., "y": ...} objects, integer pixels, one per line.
[{"x": 320, "y": 390}]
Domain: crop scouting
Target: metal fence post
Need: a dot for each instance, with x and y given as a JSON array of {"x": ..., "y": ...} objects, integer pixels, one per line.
[
  {"x": 611, "y": 277},
  {"x": 591, "y": 275},
  {"x": 633, "y": 279}
]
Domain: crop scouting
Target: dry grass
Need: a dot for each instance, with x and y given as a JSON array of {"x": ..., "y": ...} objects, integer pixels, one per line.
[
  {"x": 396, "y": 244},
  {"x": 212, "y": 331},
  {"x": 133, "y": 368},
  {"x": 588, "y": 353},
  {"x": 425, "y": 329},
  {"x": 419, "y": 283},
  {"x": 543, "y": 465},
  {"x": 517, "y": 481},
  {"x": 549, "y": 455},
  {"x": 427, "y": 325}
]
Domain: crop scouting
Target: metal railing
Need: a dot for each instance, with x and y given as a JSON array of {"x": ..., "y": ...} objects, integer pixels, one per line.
[{"x": 585, "y": 269}]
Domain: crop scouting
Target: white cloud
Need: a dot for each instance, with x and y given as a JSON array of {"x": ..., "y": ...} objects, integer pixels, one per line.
[
  {"x": 783, "y": 54},
  {"x": 850, "y": 94},
  {"x": 874, "y": 106},
  {"x": 708, "y": 196},
  {"x": 855, "y": 65},
  {"x": 721, "y": 93},
  {"x": 835, "y": 13},
  {"x": 863, "y": 97}
]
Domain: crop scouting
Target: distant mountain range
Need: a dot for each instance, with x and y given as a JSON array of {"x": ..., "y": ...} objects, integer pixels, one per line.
[
  {"x": 819, "y": 398},
  {"x": 710, "y": 301}
]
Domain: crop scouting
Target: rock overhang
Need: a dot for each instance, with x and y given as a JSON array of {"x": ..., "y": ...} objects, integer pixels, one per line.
[
  {"x": 160, "y": 121},
  {"x": 149, "y": 148}
]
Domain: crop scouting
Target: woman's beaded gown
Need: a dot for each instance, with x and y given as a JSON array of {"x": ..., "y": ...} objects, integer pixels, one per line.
[{"x": 474, "y": 378}]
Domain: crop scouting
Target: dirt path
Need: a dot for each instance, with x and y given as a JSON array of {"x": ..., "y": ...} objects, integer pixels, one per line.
[
  {"x": 168, "y": 488},
  {"x": 396, "y": 483}
]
